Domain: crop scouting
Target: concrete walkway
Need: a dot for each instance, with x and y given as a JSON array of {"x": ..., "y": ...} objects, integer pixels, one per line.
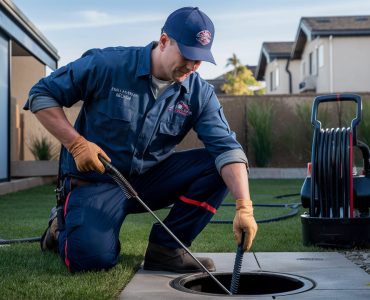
[
  {"x": 333, "y": 275},
  {"x": 16, "y": 185}
]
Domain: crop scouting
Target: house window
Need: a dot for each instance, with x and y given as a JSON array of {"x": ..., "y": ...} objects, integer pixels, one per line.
[
  {"x": 274, "y": 79},
  {"x": 321, "y": 56},
  {"x": 310, "y": 61},
  {"x": 303, "y": 69},
  {"x": 271, "y": 81}
]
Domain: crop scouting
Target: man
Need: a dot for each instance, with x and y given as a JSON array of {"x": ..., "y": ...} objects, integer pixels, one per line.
[{"x": 138, "y": 104}]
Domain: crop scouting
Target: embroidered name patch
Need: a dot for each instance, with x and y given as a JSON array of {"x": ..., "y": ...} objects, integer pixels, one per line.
[{"x": 123, "y": 94}]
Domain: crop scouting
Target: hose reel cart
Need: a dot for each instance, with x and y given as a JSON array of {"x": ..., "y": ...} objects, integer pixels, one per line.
[{"x": 338, "y": 200}]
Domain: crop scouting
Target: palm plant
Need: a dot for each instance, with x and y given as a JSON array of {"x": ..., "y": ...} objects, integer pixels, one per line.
[{"x": 234, "y": 62}]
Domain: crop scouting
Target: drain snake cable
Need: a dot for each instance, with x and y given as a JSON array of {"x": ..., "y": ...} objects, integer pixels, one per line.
[{"x": 237, "y": 266}]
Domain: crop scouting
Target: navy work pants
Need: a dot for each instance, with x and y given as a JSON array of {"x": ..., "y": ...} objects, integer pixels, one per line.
[{"x": 94, "y": 212}]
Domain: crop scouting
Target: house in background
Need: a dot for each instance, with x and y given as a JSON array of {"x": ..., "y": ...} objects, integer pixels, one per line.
[
  {"x": 334, "y": 54},
  {"x": 276, "y": 68},
  {"x": 24, "y": 55},
  {"x": 328, "y": 55}
]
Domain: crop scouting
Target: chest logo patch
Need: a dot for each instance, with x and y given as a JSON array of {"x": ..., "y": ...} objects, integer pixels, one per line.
[{"x": 180, "y": 108}]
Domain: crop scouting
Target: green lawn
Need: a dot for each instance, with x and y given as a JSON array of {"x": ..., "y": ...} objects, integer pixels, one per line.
[{"x": 26, "y": 273}]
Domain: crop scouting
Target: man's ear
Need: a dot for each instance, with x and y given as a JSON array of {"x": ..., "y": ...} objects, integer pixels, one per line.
[{"x": 163, "y": 40}]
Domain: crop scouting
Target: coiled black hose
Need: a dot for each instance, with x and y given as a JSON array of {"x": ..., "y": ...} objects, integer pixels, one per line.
[
  {"x": 294, "y": 211},
  {"x": 336, "y": 177},
  {"x": 330, "y": 177},
  {"x": 16, "y": 241}
]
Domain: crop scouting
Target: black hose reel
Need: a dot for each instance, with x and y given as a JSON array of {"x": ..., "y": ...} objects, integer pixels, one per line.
[{"x": 338, "y": 200}]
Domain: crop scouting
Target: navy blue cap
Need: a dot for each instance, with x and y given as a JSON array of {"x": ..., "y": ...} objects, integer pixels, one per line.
[{"x": 193, "y": 31}]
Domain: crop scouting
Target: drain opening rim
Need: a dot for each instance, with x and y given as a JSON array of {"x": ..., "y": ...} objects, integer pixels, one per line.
[{"x": 179, "y": 283}]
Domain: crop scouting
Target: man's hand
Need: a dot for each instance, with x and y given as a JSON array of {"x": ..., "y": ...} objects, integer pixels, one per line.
[
  {"x": 244, "y": 221},
  {"x": 85, "y": 154}
]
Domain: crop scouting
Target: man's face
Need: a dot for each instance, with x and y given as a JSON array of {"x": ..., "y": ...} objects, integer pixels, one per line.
[{"x": 177, "y": 67}]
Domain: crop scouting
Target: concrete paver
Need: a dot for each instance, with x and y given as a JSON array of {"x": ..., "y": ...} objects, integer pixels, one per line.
[{"x": 335, "y": 277}]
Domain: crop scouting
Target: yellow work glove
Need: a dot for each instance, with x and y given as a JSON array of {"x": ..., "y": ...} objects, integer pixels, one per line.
[
  {"x": 244, "y": 221},
  {"x": 85, "y": 154}
]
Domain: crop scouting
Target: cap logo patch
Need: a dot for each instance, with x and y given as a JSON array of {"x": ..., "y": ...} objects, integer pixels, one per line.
[{"x": 204, "y": 37}]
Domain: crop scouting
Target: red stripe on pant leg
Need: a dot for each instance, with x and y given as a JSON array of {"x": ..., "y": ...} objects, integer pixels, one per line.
[
  {"x": 66, "y": 203},
  {"x": 66, "y": 260},
  {"x": 198, "y": 203},
  {"x": 350, "y": 175}
]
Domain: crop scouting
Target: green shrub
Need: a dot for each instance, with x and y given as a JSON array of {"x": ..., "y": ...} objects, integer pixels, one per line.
[
  {"x": 42, "y": 148},
  {"x": 302, "y": 132},
  {"x": 303, "y": 129},
  {"x": 364, "y": 127},
  {"x": 303, "y": 111},
  {"x": 259, "y": 117}
]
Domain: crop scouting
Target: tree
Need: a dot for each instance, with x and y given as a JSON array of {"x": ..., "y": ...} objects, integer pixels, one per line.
[
  {"x": 240, "y": 81},
  {"x": 234, "y": 62}
]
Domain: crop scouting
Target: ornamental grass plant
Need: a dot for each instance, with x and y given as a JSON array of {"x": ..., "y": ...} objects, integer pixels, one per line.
[
  {"x": 259, "y": 117},
  {"x": 42, "y": 148}
]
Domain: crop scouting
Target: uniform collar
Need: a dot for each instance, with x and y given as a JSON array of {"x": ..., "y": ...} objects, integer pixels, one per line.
[{"x": 143, "y": 66}]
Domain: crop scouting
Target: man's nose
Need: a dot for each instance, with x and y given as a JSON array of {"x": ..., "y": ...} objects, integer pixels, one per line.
[{"x": 191, "y": 65}]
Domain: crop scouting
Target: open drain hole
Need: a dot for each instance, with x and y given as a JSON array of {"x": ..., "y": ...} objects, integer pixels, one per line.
[{"x": 251, "y": 283}]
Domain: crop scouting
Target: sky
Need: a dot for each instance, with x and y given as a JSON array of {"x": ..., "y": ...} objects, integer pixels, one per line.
[{"x": 241, "y": 26}]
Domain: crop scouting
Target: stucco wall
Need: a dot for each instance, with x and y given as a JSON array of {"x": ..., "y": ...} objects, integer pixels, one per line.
[
  {"x": 294, "y": 68},
  {"x": 323, "y": 80},
  {"x": 284, "y": 120},
  {"x": 34, "y": 129},
  {"x": 346, "y": 64},
  {"x": 26, "y": 71},
  {"x": 351, "y": 64},
  {"x": 283, "y": 87},
  {"x": 291, "y": 137}
]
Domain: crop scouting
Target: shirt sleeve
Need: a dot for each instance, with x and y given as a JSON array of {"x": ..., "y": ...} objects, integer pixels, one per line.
[
  {"x": 39, "y": 102},
  {"x": 231, "y": 156},
  {"x": 214, "y": 131},
  {"x": 68, "y": 84}
]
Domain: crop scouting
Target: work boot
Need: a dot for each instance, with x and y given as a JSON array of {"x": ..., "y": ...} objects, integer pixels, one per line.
[
  {"x": 49, "y": 240},
  {"x": 159, "y": 258}
]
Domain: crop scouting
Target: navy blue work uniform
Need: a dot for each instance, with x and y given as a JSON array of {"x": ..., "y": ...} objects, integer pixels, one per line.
[{"x": 139, "y": 134}]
